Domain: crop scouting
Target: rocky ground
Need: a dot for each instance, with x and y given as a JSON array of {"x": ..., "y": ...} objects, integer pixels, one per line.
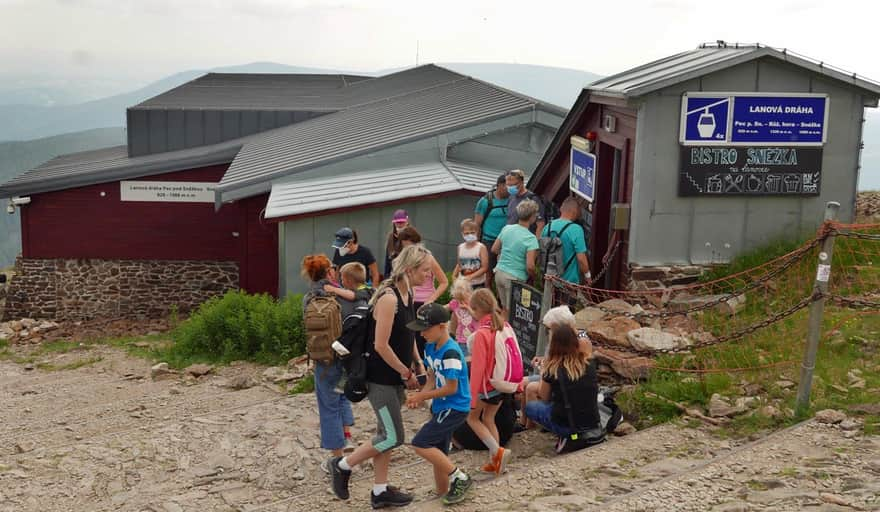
[
  {"x": 868, "y": 206},
  {"x": 108, "y": 436}
]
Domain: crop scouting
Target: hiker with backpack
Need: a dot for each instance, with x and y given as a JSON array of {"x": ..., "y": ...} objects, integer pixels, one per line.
[
  {"x": 346, "y": 249},
  {"x": 490, "y": 215},
  {"x": 567, "y": 403},
  {"x": 323, "y": 324},
  {"x": 496, "y": 371},
  {"x": 564, "y": 241},
  {"x": 516, "y": 187},
  {"x": 388, "y": 371}
]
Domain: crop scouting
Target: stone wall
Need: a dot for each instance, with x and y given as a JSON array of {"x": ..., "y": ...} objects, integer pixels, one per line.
[{"x": 65, "y": 289}]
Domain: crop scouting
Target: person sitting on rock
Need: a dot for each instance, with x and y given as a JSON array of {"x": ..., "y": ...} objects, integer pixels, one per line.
[
  {"x": 558, "y": 316},
  {"x": 568, "y": 374}
]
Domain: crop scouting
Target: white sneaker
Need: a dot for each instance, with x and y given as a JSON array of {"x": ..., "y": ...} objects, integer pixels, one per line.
[{"x": 349, "y": 445}]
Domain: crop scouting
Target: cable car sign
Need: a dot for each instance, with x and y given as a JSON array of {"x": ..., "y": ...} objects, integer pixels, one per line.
[{"x": 753, "y": 119}]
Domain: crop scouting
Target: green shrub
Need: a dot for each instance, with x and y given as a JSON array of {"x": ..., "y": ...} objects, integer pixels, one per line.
[{"x": 241, "y": 326}]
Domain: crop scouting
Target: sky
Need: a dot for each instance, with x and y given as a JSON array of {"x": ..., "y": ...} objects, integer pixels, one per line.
[{"x": 143, "y": 40}]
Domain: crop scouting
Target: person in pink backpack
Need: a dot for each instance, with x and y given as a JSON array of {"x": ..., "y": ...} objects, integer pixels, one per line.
[{"x": 496, "y": 371}]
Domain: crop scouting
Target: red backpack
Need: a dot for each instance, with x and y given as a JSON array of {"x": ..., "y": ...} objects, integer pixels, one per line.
[{"x": 508, "y": 372}]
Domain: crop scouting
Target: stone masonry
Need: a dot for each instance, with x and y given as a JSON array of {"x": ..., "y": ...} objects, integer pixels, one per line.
[
  {"x": 652, "y": 278},
  {"x": 85, "y": 289}
]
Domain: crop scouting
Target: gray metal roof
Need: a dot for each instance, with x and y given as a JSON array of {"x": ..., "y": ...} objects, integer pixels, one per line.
[
  {"x": 243, "y": 91},
  {"x": 326, "y": 193},
  {"x": 111, "y": 164},
  {"x": 371, "y": 127},
  {"x": 706, "y": 59},
  {"x": 382, "y": 112}
]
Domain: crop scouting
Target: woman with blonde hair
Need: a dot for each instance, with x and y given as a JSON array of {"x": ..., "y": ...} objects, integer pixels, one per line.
[
  {"x": 485, "y": 399},
  {"x": 388, "y": 372},
  {"x": 567, "y": 396}
]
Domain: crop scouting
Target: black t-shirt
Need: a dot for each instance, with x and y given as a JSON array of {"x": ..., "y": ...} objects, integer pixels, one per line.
[
  {"x": 582, "y": 394},
  {"x": 363, "y": 256},
  {"x": 401, "y": 342}
]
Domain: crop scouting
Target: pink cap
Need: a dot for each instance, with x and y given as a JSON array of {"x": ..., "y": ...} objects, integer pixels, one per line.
[{"x": 400, "y": 216}]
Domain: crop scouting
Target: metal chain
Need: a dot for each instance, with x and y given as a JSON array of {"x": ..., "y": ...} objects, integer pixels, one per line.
[
  {"x": 796, "y": 257},
  {"x": 862, "y": 236},
  {"x": 803, "y": 303},
  {"x": 854, "y": 302},
  {"x": 606, "y": 262}
]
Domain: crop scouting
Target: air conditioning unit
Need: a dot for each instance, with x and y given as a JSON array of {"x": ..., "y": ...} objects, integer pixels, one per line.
[{"x": 609, "y": 123}]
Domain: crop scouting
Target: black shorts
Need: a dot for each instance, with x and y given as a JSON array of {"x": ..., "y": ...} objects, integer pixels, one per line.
[
  {"x": 437, "y": 433},
  {"x": 495, "y": 399}
]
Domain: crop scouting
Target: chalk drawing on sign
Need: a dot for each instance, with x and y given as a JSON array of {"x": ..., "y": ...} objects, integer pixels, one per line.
[
  {"x": 754, "y": 183},
  {"x": 713, "y": 184},
  {"x": 791, "y": 184},
  {"x": 811, "y": 182},
  {"x": 693, "y": 182},
  {"x": 772, "y": 184},
  {"x": 734, "y": 183}
]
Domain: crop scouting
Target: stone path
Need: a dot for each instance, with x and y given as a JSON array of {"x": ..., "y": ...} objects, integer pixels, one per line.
[{"x": 104, "y": 437}]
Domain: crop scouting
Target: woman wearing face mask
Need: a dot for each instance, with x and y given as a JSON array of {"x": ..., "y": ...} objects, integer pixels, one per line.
[
  {"x": 348, "y": 250},
  {"x": 473, "y": 256},
  {"x": 399, "y": 220}
]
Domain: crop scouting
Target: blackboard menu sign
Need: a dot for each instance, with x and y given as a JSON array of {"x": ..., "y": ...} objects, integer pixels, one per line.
[
  {"x": 525, "y": 317},
  {"x": 750, "y": 171}
]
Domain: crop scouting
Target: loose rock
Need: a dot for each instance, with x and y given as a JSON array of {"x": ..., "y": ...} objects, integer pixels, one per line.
[{"x": 830, "y": 416}]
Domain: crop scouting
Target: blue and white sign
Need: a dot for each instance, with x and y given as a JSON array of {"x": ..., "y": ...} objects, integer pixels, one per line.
[
  {"x": 704, "y": 119},
  {"x": 753, "y": 119},
  {"x": 779, "y": 119},
  {"x": 582, "y": 178}
]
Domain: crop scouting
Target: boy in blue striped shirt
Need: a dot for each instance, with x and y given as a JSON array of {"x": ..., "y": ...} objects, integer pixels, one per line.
[{"x": 448, "y": 388}]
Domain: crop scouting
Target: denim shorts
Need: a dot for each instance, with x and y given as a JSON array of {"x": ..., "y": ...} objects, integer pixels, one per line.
[
  {"x": 437, "y": 433},
  {"x": 541, "y": 413},
  {"x": 334, "y": 410}
]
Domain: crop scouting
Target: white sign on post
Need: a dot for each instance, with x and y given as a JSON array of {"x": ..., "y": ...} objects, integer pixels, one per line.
[{"x": 166, "y": 191}]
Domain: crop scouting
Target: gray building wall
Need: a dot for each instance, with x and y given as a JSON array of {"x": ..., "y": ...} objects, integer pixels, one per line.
[
  {"x": 519, "y": 148},
  {"x": 436, "y": 219},
  {"x": 668, "y": 229}
]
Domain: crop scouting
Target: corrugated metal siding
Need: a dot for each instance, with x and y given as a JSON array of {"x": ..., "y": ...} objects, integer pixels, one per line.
[
  {"x": 357, "y": 189},
  {"x": 371, "y": 127}
]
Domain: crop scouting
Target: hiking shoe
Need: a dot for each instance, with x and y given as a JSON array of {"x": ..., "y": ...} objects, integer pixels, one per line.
[
  {"x": 489, "y": 467},
  {"x": 391, "y": 497},
  {"x": 500, "y": 460},
  {"x": 457, "y": 490},
  {"x": 325, "y": 466},
  {"x": 340, "y": 478}
]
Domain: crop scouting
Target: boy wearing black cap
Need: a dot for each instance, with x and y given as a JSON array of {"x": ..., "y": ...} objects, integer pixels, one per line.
[{"x": 448, "y": 388}]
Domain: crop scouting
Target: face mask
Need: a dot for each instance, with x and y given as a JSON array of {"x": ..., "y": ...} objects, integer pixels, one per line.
[
  {"x": 344, "y": 250},
  {"x": 470, "y": 238},
  {"x": 513, "y": 190}
]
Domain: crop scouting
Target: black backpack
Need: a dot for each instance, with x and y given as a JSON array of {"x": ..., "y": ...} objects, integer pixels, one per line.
[{"x": 358, "y": 332}]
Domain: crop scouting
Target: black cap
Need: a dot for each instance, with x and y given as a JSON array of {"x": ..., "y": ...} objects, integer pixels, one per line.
[
  {"x": 429, "y": 315},
  {"x": 343, "y": 236}
]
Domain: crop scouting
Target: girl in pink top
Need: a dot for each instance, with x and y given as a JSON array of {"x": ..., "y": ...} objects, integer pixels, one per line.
[
  {"x": 462, "y": 324},
  {"x": 485, "y": 399}
]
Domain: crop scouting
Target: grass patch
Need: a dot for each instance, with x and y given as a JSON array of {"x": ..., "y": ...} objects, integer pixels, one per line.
[{"x": 306, "y": 385}]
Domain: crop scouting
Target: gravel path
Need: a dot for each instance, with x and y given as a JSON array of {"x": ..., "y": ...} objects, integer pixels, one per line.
[{"x": 107, "y": 437}]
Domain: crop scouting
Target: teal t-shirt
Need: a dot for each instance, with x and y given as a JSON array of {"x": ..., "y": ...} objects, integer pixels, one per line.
[
  {"x": 573, "y": 242},
  {"x": 496, "y": 220},
  {"x": 516, "y": 241}
]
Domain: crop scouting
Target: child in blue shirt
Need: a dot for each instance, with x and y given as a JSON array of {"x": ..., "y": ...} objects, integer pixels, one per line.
[{"x": 448, "y": 388}]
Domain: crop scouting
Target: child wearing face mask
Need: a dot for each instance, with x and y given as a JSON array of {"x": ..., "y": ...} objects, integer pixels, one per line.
[{"x": 473, "y": 256}]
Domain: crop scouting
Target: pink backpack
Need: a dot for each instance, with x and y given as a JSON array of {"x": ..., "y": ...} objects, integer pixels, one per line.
[{"x": 508, "y": 372}]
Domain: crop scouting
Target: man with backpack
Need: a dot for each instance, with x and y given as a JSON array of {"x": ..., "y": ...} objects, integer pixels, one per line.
[
  {"x": 490, "y": 215},
  {"x": 563, "y": 240},
  {"x": 516, "y": 186}
]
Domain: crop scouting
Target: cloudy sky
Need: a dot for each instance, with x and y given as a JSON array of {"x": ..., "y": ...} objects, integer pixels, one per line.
[{"x": 142, "y": 40}]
